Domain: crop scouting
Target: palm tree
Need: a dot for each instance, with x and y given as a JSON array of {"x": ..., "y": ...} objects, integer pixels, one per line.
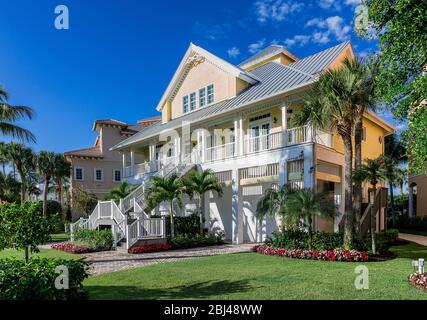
[
  {"x": 401, "y": 178},
  {"x": 10, "y": 114},
  {"x": 3, "y": 156},
  {"x": 170, "y": 189},
  {"x": 46, "y": 167},
  {"x": 9, "y": 187},
  {"x": 372, "y": 171},
  {"x": 304, "y": 204},
  {"x": 198, "y": 183},
  {"x": 123, "y": 190},
  {"x": 395, "y": 149},
  {"x": 61, "y": 173},
  {"x": 332, "y": 104},
  {"x": 23, "y": 159},
  {"x": 272, "y": 204},
  {"x": 390, "y": 173}
]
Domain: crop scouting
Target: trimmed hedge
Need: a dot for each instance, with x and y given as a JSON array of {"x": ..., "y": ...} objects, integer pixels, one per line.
[
  {"x": 197, "y": 240},
  {"x": 97, "y": 240},
  {"x": 298, "y": 239},
  {"x": 35, "y": 280},
  {"x": 415, "y": 223},
  {"x": 189, "y": 225}
]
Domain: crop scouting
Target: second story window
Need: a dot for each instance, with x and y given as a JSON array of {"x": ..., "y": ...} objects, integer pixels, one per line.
[
  {"x": 117, "y": 175},
  {"x": 202, "y": 97},
  {"x": 78, "y": 174},
  {"x": 99, "y": 176},
  {"x": 192, "y": 101},
  {"x": 211, "y": 94},
  {"x": 185, "y": 104}
]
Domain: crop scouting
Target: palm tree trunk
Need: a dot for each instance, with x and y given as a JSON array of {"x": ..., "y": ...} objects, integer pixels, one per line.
[
  {"x": 27, "y": 254},
  {"x": 171, "y": 220},
  {"x": 393, "y": 214},
  {"x": 22, "y": 176},
  {"x": 202, "y": 211},
  {"x": 357, "y": 204},
  {"x": 373, "y": 222},
  {"x": 60, "y": 191},
  {"x": 348, "y": 210},
  {"x": 45, "y": 192}
]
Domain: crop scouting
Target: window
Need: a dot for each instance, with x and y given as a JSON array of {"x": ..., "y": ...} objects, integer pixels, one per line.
[
  {"x": 364, "y": 134},
  {"x": 117, "y": 175},
  {"x": 185, "y": 104},
  {"x": 211, "y": 94},
  {"x": 78, "y": 174},
  {"x": 202, "y": 97},
  {"x": 98, "y": 174},
  {"x": 192, "y": 101}
]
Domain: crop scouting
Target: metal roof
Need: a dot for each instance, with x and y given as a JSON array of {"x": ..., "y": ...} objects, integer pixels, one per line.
[
  {"x": 274, "y": 78},
  {"x": 269, "y": 51}
]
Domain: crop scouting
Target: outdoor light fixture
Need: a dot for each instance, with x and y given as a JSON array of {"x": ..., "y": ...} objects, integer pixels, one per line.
[{"x": 420, "y": 264}]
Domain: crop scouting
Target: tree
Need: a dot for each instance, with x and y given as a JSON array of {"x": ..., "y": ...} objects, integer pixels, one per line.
[
  {"x": 122, "y": 191},
  {"x": 401, "y": 178},
  {"x": 60, "y": 173},
  {"x": 373, "y": 173},
  {"x": 46, "y": 161},
  {"x": 198, "y": 183},
  {"x": 170, "y": 189},
  {"x": 83, "y": 200},
  {"x": 23, "y": 227},
  {"x": 389, "y": 167},
  {"x": 24, "y": 160},
  {"x": 4, "y": 160},
  {"x": 402, "y": 85},
  {"x": 272, "y": 203},
  {"x": 304, "y": 204},
  {"x": 332, "y": 104},
  {"x": 10, "y": 114},
  {"x": 9, "y": 188},
  {"x": 395, "y": 149}
]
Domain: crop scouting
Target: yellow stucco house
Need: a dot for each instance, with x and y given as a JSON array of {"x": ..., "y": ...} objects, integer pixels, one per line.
[{"x": 237, "y": 121}]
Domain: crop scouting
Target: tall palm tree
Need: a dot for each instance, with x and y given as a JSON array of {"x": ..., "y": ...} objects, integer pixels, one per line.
[
  {"x": 123, "y": 190},
  {"x": 395, "y": 149},
  {"x": 390, "y": 173},
  {"x": 9, "y": 187},
  {"x": 61, "y": 173},
  {"x": 372, "y": 171},
  {"x": 46, "y": 167},
  {"x": 332, "y": 104},
  {"x": 170, "y": 189},
  {"x": 3, "y": 157},
  {"x": 272, "y": 203},
  {"x": 401, "y": 178},
  {"x": 198, "y": 183},
  {"x": 302, "y": 205},
  {"x": 23, "y": 159},
  {"x": 10, "y": 114}
]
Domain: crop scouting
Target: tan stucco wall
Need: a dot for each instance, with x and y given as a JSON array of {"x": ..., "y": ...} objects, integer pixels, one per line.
[
  {"x": 279, "y": 58},
  {"x": 421, "y": 182}
]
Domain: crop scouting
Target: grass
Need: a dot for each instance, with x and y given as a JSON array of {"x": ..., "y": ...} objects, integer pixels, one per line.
[
  {"x": 45, "y": 253},
  {"x": 255, "y": 276}
]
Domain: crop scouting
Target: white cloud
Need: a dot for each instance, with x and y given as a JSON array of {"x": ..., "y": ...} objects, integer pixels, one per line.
[
  {"x": 299, "y": 39},
  {"x": 352, "y": 2},
  {"x": 255, "y": 47},
  {"x": 275, "y": 10},
  {"x": 328, "y": 4},
  {"x": 334, "y": 26},
  {"x": 233, "y": 52}
]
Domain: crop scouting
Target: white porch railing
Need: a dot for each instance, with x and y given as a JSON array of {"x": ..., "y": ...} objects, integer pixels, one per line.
[
  {"x": 298, "y": 135},
  {"x": 324, "y": 138},
  {"x": 263, "y": 142},
  {"x": 143, "y": 228},
  {"x": 220, "y": 152}
]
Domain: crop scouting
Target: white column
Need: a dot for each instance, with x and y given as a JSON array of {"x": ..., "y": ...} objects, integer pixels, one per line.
[
  {"x": 241, "y": 135},
  {"x": 308, "y": 167},
  {"x": 203, "y": 144},
  {"x": 236, "y": 137},
  {"x": 124, "y": 161},
  {"x": 132, "y": 162},
  {"x": 284, "y": 125},
  {"x": 411, "y": 202},
  {"x": 236, "y": 209}
]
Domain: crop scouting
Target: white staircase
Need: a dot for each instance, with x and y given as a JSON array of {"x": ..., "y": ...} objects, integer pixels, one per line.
[{"x": 128, "y": 220}]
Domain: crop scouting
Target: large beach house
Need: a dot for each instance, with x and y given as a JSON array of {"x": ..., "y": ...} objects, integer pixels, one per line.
[{"x": 237, "y": 121}]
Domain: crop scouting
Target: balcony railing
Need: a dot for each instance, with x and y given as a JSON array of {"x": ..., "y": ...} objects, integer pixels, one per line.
[
  {"x": 221, "y": 152},
  {"x": 263, "y": 142}
]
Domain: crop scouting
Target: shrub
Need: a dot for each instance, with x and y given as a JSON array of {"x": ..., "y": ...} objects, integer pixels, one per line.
[
  {"x": 326, "y": 255},
  {"x": 385, "y": 240},
  {"x": 72, "y": 247},
  {"x": 189, "y": 225},
  {"x": 327, "y": 240},
  {"x": 298, "y": 239},
  {"x": 150, "y": 248},
  {"x": 35, "y": 280},
  {"x": 97, "y": 240},
  {"x": 415, "y": 223},
  {"x": 197, "y": 240}
]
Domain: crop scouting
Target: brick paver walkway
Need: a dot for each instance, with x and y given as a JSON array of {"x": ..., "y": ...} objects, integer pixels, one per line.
[
  {"x": 422, "y": 240},
  {"x": 110, "y": 261}
]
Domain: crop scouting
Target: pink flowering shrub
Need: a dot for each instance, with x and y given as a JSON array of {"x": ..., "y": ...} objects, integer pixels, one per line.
[
  {"x": 150, "y": 248},
  {"x": 326, "y": 255},
  {"x": 419, "y": 280},
  {"x": 71, "y": 247}
]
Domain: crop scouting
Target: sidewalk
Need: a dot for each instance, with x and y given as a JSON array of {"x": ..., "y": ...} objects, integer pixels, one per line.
[{"x": 422, "y": 240}]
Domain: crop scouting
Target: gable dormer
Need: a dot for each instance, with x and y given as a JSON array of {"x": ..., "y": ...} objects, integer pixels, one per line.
[
  {"x": 273, "y": 53},
  {"x": 202, "y": 79}
]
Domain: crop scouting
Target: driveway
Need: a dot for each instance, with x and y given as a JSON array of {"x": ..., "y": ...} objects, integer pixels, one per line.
[
  {"x": 110, "y": 261},
  {"x": 422, "y": 240}
]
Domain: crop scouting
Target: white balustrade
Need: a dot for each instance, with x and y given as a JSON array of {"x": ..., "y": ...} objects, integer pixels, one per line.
[{"x": 298, "y": 135}]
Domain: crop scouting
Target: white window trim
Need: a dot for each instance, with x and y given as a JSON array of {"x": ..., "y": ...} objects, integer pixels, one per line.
[
  {"x": 188, "y": 104},
  {"x": 94, "y": 174},
  {"x": 75, "y": 174},
  {"x": 207, "y": 94},
  {"x": 195, "y": 101},
  {"x": 114, "y": 175},
  {"x": 205, "y": 97}
]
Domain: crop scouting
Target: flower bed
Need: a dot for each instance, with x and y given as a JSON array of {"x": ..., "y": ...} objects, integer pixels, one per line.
[
  {"x": 419, "y": 280},
  {"x": 325, "y": 255},
  {"x": 150, "y": 248},
  {"x": 71, "y": 247}
]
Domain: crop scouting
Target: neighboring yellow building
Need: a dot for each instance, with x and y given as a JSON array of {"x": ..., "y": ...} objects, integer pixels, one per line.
[{"x": 417, "y": 195}]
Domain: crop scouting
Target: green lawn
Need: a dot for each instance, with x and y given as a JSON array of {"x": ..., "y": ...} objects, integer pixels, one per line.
[
  {"x": 254, "y": 276},
  {"x": 46, "y": 253}
]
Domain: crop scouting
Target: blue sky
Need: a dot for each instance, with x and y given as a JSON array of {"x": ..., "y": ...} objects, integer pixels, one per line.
[{"x": 118, "y": 56}]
